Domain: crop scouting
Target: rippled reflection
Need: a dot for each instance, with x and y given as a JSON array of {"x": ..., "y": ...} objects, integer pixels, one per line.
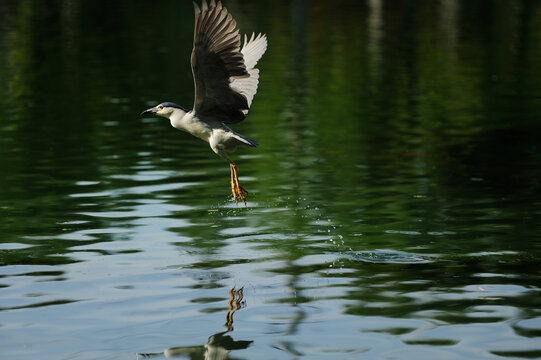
[{"x": 218, "y": 345}]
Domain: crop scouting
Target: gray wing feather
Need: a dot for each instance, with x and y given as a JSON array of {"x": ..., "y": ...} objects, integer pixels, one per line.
[{"x": 217, "y": 61}]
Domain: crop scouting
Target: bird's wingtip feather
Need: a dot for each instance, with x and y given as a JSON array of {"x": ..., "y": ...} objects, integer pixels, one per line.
[{"x": 196, "y": 8}]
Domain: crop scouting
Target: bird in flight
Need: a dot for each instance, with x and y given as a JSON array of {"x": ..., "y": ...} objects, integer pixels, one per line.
[{"x": 225, "y": 79}]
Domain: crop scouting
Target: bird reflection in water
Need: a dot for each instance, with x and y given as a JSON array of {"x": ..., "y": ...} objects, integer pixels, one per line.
[{"x": 218, "y": 345}]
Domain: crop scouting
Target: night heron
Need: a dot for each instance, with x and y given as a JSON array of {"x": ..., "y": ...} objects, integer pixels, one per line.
[{"x": 225, "y": 81}]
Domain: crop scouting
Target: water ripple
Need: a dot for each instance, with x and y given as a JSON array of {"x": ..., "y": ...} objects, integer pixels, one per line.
[{"x": 389, "y": 256}]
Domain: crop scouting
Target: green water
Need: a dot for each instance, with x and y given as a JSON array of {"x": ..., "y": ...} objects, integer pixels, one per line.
[{"x": 394, "y": 201}]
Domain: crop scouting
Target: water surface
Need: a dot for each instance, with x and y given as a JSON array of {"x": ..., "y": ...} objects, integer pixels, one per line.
[{"x": 394, "y": 203}]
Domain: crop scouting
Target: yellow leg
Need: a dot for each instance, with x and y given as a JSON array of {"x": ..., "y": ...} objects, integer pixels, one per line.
[
  {"x": 236, "y": 188},
  {"x": 233, "y": 189}
]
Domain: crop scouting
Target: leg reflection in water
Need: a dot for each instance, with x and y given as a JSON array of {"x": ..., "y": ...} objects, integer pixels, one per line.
[
  {"x": 218, "y": 345},
  {"x": 236, "y": 302}
]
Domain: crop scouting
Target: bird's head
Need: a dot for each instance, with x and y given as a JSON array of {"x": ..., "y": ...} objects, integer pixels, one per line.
[{"x": 165, "y": 109}]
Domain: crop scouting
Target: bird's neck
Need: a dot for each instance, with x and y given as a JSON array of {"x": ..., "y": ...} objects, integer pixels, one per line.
[
  {"x": 187, "y": 121},
  {"x": 176, "y": 118}
]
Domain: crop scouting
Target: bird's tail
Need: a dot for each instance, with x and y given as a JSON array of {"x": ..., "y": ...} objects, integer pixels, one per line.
[{"x": 245, "y": 140}]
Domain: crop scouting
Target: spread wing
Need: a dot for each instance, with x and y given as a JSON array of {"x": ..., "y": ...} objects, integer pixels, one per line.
[
  {"x": 252, "y": 50},
  {"x": 217, "y": 62}
]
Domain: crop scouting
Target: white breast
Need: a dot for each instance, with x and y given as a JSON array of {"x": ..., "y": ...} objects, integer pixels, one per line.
[{"x": 190, "y": 123}]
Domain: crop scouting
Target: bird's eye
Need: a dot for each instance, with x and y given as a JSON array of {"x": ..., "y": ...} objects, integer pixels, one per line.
[{"x": 160, "y": 107}]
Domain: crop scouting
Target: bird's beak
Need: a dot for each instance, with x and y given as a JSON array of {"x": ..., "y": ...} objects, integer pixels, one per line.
[{"x": 150, "y": 111}]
